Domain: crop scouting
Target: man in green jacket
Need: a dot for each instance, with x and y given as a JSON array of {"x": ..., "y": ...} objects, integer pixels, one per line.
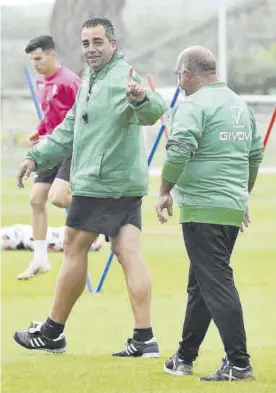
[
  {"x": 109, "y": 177},
  {"x": 212, "y": 160}
]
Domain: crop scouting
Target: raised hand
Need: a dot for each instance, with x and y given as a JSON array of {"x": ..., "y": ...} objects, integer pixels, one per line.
[{"x": 135, "y": 92}]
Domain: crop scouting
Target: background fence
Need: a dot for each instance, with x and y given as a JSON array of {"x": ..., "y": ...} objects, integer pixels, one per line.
[{"x": 19, "y": 119}]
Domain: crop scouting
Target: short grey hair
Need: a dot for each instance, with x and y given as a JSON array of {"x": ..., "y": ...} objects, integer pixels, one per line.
[{"x": 198, "y": 60}]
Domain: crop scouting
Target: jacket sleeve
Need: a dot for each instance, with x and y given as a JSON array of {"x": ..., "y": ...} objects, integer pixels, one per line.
[
  {"x": 56, "y": 147},
  {"x": 256, "y": 152},
  {"x": 147, "y": 113},
  {"x": 186, "y": 130}
]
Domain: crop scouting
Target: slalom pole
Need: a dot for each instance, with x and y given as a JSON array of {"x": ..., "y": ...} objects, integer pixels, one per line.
[
  {"x": 33, "y": 93},
  {"x": 153, "y": 88},
  {"x": 269, "y": 129}
]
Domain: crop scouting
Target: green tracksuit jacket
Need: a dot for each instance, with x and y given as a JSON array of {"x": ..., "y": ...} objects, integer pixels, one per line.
[
  {"x": 108, "y": 153},
  {"x": 213, "y": 151}
]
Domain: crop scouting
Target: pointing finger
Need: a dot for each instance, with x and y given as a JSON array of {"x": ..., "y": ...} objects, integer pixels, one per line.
[{"x": 130, "y": 75}]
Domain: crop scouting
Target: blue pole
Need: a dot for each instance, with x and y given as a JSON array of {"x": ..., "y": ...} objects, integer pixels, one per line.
[
  {"x": 40, "y": 117},
  {"x": 89, "y": 283},
  {"x": 105, "y": 271},
  {"x": 150, "y": 157},
  {"x": 163, "y": 126},
  {"x": 33, "y": 92}
]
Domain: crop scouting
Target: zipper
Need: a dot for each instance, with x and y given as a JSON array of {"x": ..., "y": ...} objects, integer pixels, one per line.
[{"x": 91, "y": 83}]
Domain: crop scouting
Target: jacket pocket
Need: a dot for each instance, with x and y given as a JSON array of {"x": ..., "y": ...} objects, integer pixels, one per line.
[
  {"x": 95, "y": 167},
  {"x": 84, "y": 169}
]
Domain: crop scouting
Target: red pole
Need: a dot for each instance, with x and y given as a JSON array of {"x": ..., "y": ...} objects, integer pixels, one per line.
[
  {"x": 271, "y": 123},
  {"x": 152, "y": 87}
]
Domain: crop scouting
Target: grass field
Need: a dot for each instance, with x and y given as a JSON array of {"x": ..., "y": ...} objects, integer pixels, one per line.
[{"x": 101, "y": 323}]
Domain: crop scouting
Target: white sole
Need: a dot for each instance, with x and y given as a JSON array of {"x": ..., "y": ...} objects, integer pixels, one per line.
[
  {"x": 145, "y": 356},
  {"x": 177, "y": 373},
  {"x": 57, "y": 351},
  {"x": 26, "y": 278},
  {"x": 150, "y": 355}
]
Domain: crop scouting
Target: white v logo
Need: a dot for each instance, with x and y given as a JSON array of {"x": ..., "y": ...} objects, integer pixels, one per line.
[{"x": 237, "y": 116}]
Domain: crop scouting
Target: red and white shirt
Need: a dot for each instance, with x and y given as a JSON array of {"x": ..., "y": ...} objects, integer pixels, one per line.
[{"x": 57, "y": 95}]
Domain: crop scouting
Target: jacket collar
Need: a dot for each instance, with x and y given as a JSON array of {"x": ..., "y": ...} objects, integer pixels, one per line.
[
  {"x": 214, "y": 84},
  {"x": 118, "y": 55}
]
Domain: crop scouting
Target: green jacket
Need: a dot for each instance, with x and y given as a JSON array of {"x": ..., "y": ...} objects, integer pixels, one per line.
[
  {"x": 213, "y": 151},
  {"x": 108, "y": 153}
]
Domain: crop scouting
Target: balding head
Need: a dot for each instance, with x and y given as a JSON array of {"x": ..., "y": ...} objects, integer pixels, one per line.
[
  {"x": 197, "y": 59},
  {"x": 195, "y": 67}
]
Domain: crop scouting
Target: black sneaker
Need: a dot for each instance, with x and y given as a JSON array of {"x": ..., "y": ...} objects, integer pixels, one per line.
[
  {"x": 147, "y": 349},
  {"x": 176, "y": 366},
  {"x": 34, "y": 339},
  {"x": 229, "y": 372}
]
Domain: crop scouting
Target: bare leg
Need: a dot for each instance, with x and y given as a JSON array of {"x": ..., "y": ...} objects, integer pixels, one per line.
[
  {"x": 39, "y": 264},
  {"x": 72, "y": 274},
  {"x": 38, "y": 199},
  {"x": 126, "y": 246},
  {"x": 60, "y": 194}
]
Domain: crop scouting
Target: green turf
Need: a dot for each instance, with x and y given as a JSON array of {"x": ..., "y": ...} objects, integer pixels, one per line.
[{"x": 101, "y": 323}]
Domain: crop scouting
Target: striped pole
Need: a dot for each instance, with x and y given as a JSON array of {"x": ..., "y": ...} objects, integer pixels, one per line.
[
  {"x": 153, "y": 88},
  {"x": 33, "y": 93},
  {"x": 270, "y": 126}
]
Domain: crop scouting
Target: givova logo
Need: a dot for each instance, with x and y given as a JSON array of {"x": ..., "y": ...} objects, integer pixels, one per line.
[
  {"x": 238, "y": 121},
  {"x": 235, "y": 136}
]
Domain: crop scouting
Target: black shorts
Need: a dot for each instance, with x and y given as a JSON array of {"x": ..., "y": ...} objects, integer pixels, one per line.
[
  {"x": 104, "y": 215},
  {"x": 61, "y": 171}
]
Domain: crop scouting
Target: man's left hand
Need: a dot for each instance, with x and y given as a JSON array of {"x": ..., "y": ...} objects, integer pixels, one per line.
[
  {"x": 164, "y": 201},
  {"x": 246, "y": 220},
  {"x": 25, "y": 170},
  {"x": 135, "y": 92}
]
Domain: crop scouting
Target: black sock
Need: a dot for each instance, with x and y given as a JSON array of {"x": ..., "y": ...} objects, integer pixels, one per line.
[
  {"x": 182, "y": 357},
  {"x": 241, "y": 364},
  {"x": 51, "y": 329},
  {"x": 142, "y": 334}
]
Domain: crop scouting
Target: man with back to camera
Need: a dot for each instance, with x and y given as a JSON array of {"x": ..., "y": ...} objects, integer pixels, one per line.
[
  {"x": 212, "y": 160},
  {"x": 57, "y": 87},
  {"x": 109, "y": 177}
]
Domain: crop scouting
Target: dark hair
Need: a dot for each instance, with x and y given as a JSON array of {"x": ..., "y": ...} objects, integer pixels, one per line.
[
  {"x": 101, "y": 21},
  {"x": 45, "y": 42}
]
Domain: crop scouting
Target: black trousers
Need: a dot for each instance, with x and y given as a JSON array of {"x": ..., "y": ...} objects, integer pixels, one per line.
[{"x": 211, "y": 292}]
